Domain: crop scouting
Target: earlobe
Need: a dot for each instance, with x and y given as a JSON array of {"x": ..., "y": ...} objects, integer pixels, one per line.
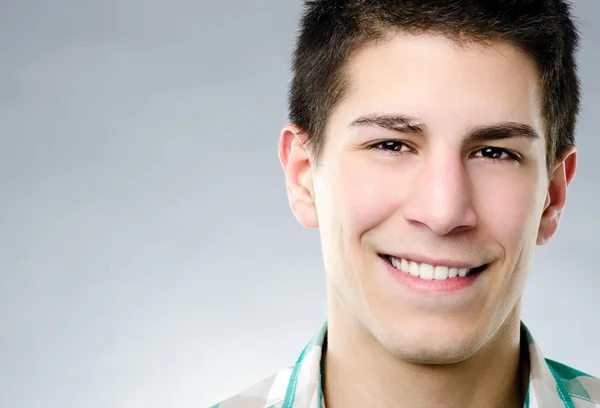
[
  {"x": 556, "y": 197},
  {"x": 295, "y": 159}
]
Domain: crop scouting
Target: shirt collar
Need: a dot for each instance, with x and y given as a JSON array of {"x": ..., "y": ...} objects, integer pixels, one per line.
[{"x": 304, "y": 388}]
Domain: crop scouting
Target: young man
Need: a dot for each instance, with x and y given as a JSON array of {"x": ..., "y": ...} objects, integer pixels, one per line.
[{"x": 431, "y": 143}]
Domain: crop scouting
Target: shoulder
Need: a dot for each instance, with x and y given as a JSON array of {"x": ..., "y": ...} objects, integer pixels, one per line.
[
  {"x": 582, "y": 387},
  {"x": 267, "y": 393}
]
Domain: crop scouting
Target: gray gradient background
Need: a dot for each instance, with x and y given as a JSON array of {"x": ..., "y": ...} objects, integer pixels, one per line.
[{"x": 148, "y": 256}]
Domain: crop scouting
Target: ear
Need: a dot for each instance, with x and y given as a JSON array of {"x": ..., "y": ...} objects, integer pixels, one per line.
[
  {"x": 297, "y": 167},
  {"x": 557, "y": 195}
]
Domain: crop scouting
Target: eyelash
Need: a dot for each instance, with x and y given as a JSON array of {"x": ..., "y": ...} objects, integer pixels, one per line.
[{"x": 511, "y": 156}]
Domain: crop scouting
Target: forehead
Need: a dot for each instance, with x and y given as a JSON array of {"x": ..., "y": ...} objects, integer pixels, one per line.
[{"x": 443, "y": 83}]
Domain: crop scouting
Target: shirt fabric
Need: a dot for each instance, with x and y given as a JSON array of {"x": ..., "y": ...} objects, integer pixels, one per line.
[{"x": 551, "y": 384}]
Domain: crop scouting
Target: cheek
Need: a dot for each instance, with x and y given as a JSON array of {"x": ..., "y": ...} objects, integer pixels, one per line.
[
  {"x": 365, "y": 196},
  {"x": 353, "y": 198},
  {"x": 509, "y": 207}
]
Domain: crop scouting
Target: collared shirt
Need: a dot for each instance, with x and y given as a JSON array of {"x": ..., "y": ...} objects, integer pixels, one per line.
[{"x": 551, "y": 384}]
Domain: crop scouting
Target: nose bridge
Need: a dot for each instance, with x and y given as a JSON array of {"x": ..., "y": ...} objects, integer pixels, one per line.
[{"x": 441, "y": 198}]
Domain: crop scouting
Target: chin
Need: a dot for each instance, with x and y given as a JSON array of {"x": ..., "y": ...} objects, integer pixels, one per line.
[
  {"x": 430, "y": 352},
  {"x": 431, "y": 345}
]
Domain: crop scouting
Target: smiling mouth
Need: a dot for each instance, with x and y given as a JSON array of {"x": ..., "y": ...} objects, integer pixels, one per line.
[{"x": 431, "y": 272}]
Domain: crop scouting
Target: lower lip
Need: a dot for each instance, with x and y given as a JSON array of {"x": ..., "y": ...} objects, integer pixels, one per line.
[{"x": 433, "y": 286}]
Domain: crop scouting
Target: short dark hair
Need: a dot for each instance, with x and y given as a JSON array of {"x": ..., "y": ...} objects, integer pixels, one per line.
[{"x": 332, "y": 30}]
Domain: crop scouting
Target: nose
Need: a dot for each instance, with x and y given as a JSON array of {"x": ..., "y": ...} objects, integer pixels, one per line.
[{"x": 441, "y": 197}]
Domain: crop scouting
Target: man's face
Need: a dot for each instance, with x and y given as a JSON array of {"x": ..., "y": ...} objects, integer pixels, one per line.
[{"x": 431, "y": 170}]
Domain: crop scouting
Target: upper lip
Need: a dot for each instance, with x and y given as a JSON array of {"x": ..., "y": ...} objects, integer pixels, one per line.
[{"x": 450, "y": 263}]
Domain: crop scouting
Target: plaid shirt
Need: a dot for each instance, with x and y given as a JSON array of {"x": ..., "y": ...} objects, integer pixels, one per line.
[{"x": 551, "y": 384}]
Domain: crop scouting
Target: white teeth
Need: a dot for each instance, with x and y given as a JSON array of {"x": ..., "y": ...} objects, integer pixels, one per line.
[
  {"x": 405, "y": 266},
  {"x": 440, "y": 273},
  {"x": 426, "y": 271},
  {"x": 414, "y": 269}
]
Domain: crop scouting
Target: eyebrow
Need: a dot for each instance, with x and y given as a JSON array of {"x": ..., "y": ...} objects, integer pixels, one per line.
[
  {"x": 408, "y": 124},
  {"x": 394, "y": 122},
  {"x": 503, "y": 130}
]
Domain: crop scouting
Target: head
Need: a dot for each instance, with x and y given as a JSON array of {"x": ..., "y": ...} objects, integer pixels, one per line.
[{"x": 441, "y": 134}]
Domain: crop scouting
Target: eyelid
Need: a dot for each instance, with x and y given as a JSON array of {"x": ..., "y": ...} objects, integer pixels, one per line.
[
  {"x": 512, "y": 155},
  {"x": 373, "y": 145}
]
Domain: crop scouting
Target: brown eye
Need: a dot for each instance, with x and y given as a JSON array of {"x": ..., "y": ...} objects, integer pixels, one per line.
[
  {"x": 393, "y": 146},
  {"x": 496, "y": 153},
  {"x": 492, "y": 153}
]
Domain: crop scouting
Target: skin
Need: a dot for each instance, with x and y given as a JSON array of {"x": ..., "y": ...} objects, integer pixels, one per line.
[{"x": 428, "y": 190}]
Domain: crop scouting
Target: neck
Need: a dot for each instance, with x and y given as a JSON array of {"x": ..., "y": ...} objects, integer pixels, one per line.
[{"x": 359, "y": 372}]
